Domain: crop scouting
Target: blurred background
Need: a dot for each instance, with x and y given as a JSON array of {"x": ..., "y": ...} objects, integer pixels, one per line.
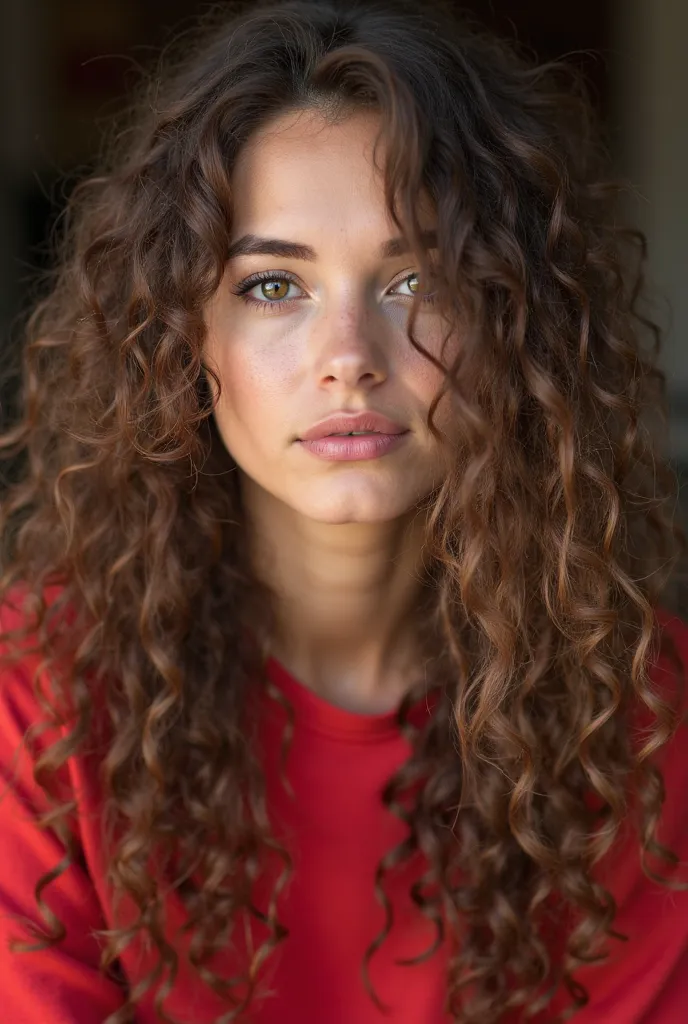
[{"x": 67, "y": 66}]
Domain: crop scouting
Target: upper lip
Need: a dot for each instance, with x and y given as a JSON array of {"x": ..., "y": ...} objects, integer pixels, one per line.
[{"x": 344, "y": 423}]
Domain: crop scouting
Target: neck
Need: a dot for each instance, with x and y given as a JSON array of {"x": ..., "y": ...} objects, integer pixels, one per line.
[{"x": 347, "y": 599}]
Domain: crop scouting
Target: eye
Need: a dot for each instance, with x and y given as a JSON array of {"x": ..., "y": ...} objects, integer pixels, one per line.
[
  {"x": 407, "y": 281},
  {"x": 429, "y": 297},
  {"x": 275, "y": 285}
]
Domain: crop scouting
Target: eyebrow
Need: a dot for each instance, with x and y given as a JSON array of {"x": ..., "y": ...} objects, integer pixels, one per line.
[{"x": 254, "y": 245}]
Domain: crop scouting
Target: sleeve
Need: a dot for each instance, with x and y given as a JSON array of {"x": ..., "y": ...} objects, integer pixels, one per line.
[
  {"x": 645, "y": 981},
  {"x": 62, "y": 984}
]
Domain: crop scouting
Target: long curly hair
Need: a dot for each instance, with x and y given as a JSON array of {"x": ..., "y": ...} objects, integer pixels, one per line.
[{"x": 549, "y": 541}]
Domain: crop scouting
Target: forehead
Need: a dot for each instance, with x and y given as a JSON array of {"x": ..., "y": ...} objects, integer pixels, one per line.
[
  {"x": 302, "y": 172},
  {"x": 300, "y": 161}
]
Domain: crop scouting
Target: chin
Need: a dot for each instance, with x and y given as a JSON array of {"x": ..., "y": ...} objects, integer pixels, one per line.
[{"x": 351, "y": 506}]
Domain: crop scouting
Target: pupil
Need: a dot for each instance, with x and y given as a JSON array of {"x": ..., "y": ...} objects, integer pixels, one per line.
[{"x": 271, "y": 288}]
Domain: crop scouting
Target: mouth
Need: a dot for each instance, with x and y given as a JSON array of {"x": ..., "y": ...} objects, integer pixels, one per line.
[
  {"x": 354, "y": 446},
  {"x": 356, "y": 433},
  {"x": 348, "y": 424}
]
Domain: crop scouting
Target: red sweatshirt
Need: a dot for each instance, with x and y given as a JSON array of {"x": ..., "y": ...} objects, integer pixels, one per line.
[{"x": 339, "y": 830}]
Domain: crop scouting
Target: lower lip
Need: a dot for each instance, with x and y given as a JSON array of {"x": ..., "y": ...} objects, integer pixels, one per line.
[{"x": 354, "y": 449}]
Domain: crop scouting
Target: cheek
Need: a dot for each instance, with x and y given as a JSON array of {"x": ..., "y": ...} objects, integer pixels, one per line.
[
  {"x": 255, "y": 384},
  {"x": 420, "y": 374},
  {"x": 426, "y": 380}
]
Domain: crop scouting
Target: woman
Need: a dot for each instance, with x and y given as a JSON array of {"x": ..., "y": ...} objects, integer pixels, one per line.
[{"x": 337, "y": 686}]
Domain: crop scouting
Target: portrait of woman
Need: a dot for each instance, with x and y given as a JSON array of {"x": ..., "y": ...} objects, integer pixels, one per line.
[{"x": 337, "y": 682}]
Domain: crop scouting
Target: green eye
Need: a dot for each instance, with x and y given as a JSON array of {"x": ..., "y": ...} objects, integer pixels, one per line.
[
  {"x": 275, "y": 288},
  {"x": 413, "y": 283}
]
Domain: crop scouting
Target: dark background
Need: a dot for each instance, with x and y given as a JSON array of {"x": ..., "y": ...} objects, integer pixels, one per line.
[
  {"x": 67, "y": 66},
  {"x": 83, "y": 58}
]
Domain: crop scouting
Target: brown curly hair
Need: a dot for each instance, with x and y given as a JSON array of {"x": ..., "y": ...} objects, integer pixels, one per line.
[{"x": 549, "y": 540}]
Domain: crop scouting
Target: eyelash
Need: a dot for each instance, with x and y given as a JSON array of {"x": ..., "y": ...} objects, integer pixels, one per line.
[{"x": 267, "y": 275}]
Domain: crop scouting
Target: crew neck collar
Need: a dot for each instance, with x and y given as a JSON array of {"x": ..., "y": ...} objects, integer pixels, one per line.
[{"x": 313, "y": 711}]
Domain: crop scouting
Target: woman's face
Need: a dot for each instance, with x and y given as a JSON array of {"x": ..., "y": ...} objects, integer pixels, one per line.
[{"x": 324, "y": 334}]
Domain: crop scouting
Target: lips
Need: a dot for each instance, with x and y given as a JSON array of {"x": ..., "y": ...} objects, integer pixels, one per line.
[{"x": 346, "y": 423}]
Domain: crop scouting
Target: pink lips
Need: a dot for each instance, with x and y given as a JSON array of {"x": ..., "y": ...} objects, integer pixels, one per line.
[
  {"x": 379, "y": 435},
  {"x": 344, "y": 423}
]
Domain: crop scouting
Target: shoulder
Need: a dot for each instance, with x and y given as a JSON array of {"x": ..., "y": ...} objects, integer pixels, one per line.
[
  {"x": 18, "y": 602},
  {"x": 674, "y": 629},
  {"x": 25, "y": 687},
  {"x": 669, "y": 675},
  {"x": 645, "y": 977}
]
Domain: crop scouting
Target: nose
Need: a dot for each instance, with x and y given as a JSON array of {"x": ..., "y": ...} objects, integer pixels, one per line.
[{"x": 350, "y": 350}]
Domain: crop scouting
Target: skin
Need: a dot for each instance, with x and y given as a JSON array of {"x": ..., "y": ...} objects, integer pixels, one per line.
[{"x": 340, "y": 542}]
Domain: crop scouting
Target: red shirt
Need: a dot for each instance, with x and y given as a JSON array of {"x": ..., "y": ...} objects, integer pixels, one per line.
[{"x": 338, "y": 832}]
